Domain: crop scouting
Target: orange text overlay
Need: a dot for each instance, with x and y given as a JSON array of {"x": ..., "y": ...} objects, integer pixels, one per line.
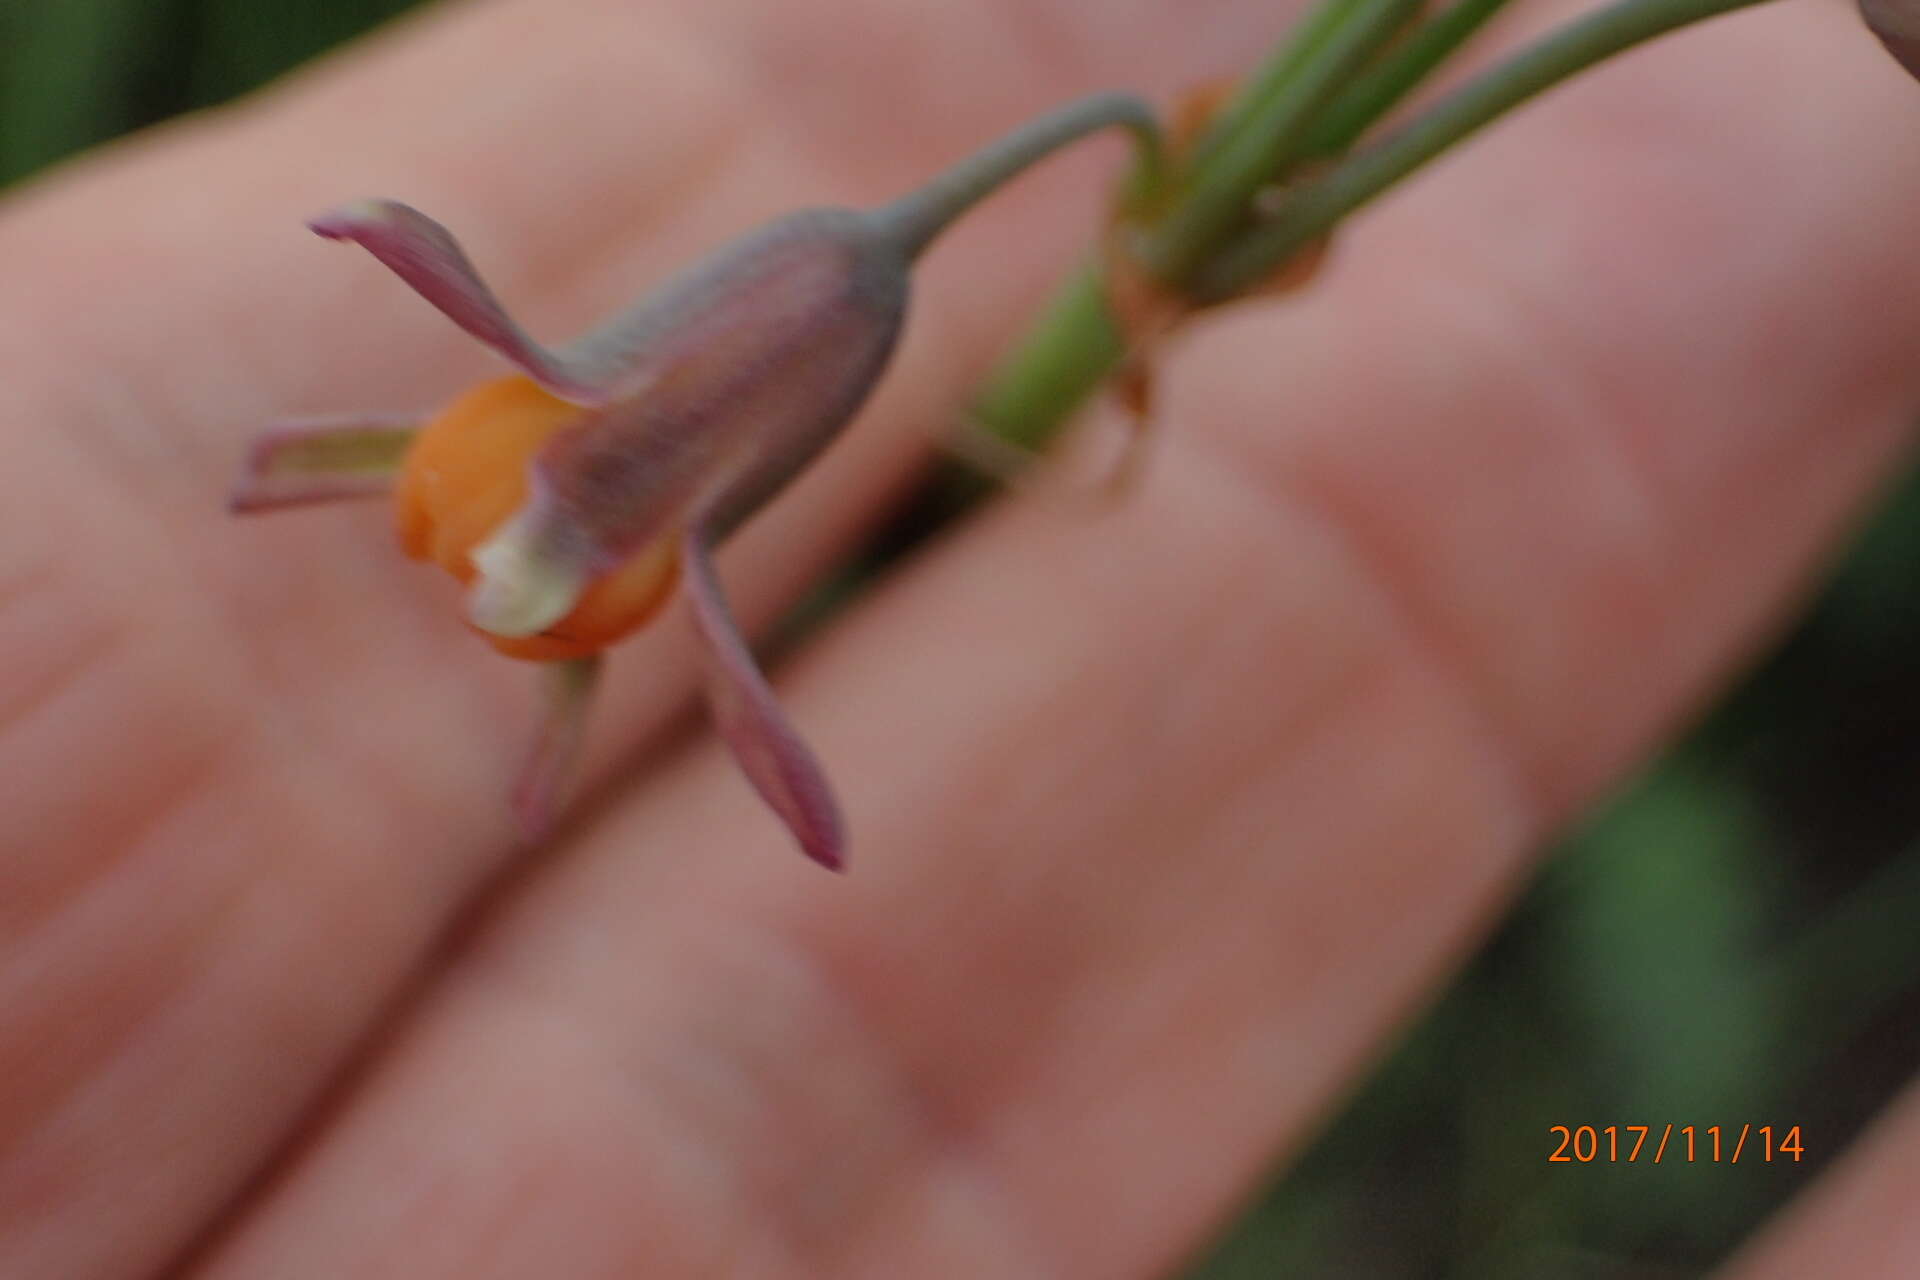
[{"x": 1687, "y": 1143}]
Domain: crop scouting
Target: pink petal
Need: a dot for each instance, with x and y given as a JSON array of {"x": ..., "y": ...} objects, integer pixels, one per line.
[
  {"x": 769, "y": 752},
  {"x": 320, "y": 460},
  {"x": 751, "y": 361},
  {"x": 543, "y": 778},
  {"x": 425, "y": 255}
]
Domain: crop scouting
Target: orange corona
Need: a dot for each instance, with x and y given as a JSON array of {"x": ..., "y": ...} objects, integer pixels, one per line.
[{"x": 466, "y": 472}]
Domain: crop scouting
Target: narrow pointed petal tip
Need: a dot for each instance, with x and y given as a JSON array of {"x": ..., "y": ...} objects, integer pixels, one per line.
[
  {"x": 320, "y": 460},
  {"x": 349, "y": 221},
  {"x": 750, "y": 720},
  {"x": 830, "y": 853}
]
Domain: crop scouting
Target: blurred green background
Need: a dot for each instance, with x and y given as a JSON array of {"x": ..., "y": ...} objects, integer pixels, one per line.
[{"x": 1733, "y": 939}]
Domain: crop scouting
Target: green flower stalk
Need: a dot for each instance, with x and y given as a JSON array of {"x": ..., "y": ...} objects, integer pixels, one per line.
[{"x": 1286, "y": 153}]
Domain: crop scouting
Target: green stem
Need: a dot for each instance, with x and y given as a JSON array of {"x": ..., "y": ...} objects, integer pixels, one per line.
[
  {"x": 1316, "y": 207},
  {"x": 1076, "y": 345},
  {"x": 1221, "y": 189},
  {"x": 1304, "y": 42},
  {"x": 1065, "y": 356},
  {"x": 1383, "y": 85}
]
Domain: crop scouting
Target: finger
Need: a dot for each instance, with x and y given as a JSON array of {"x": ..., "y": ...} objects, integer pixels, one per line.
[
  {"x": 1857, "y": 1221},
  {"x": 251, "y": 772},
  {"x": 1164, "y": 819}
]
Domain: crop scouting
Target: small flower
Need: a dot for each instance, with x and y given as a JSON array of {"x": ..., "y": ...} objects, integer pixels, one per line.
[{"x": 571, "y": 498}]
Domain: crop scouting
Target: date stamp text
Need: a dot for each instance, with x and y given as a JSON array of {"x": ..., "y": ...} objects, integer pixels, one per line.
[{"x": 1702, "y": 1144}]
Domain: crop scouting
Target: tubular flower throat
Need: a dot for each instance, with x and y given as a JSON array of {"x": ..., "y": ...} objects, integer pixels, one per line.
[{"x": 572, "y": 497}]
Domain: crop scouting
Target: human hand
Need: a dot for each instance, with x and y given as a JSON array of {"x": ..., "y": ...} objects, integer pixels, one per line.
[{"x": 1162, "y": 817}]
